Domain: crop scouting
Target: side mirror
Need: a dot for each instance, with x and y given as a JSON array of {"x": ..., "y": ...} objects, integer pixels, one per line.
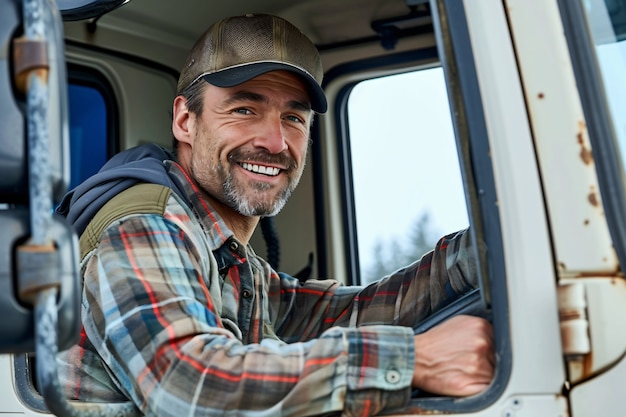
[{"x": 87, "y": 9}]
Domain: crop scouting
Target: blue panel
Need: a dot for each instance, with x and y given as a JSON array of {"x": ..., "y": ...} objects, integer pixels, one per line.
[{"x": 88, "y": 132}]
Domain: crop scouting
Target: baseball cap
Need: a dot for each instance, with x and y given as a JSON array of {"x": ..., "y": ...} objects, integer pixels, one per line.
[{"x": 237, "y": 49}]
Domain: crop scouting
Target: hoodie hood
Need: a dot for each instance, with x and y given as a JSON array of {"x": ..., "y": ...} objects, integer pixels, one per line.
[{"x": 142, "y": 164}]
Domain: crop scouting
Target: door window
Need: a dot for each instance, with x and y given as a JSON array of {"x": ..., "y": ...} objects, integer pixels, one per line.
[
  {"x": 608, "y": 26},
  {"x": 407, "y": 183}
]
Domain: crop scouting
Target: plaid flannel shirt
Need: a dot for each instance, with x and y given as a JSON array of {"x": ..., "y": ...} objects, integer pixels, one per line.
[{"x": 182, "y": 319}]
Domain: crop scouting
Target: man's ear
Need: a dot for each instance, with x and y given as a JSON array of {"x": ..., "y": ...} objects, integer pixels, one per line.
[{"x": 182, "y": 123}]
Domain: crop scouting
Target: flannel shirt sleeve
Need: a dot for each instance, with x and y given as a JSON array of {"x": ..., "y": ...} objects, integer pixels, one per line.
[
  {"x": 399, "y": 301},
  {"x": 403, "y": 298}
]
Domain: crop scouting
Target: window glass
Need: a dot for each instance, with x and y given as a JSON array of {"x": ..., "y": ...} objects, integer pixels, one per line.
[
  {"x": 88, "y": 132},
  {"x": 408, "y": 190},
  {"x": 608, "y": 26}
]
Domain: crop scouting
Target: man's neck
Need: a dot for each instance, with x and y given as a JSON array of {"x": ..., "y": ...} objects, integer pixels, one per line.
[{"x": 242, "y": 226}]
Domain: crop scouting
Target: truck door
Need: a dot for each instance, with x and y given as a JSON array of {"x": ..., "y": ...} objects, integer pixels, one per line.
[
  {"x": 572, "y": 71},
  {"x": 551, "y": 87},
  {"x": 537, "y": 92},
  {"x": 593, "y": 300}
]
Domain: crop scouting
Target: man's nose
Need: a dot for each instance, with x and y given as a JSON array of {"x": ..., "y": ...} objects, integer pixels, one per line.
[{"x": 271, "y": 136}]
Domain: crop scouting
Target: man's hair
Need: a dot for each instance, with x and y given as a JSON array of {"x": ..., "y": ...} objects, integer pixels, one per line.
[{"x": 193, "y": 99}]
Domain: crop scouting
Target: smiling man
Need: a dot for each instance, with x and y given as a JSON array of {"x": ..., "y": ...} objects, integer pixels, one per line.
[
  {"x": 181, "y": 317},
  {"x": 248, "y": 147}
]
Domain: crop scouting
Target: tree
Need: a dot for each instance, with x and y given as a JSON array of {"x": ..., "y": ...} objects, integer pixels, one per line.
[{"x": 388, "y": 257}]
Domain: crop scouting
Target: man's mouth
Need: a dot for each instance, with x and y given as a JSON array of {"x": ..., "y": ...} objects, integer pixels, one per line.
[{"x": 260, "y": 169}]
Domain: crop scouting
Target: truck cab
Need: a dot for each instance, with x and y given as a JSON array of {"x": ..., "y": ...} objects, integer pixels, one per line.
[{"x": 507, "y": 117}]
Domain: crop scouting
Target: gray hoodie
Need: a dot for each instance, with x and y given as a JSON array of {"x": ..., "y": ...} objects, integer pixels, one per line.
[{"x": 143, "y": 163}]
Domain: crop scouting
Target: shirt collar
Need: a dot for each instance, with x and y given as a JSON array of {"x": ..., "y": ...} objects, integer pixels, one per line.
[{"x": 220, "y": 237}]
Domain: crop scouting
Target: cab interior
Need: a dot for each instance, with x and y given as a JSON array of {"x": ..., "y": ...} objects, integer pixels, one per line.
[{"x": 131, "y": 57}]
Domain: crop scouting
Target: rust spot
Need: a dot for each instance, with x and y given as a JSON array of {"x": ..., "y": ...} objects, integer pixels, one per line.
[
  {"x": 585, "y": 153},
  {"x": 571, "y": 315},
  {"x": 587, "y": 364},
  {"x": 586, "y": 156},
  {"x": 593, "y": 199},
  {"x": 586, "y": 222},
  {"x": 597, "y": 274},
  {"x": 540, "y": 95},
  {"x": 30, "y": 56}
]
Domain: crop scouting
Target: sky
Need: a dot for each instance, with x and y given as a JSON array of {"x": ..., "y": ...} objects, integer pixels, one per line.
[
  {"x": 612, "y": 57},
  {"x": 404, "y": 158}
]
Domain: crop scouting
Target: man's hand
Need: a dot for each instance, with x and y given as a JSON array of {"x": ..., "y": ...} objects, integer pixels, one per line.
[{"x": 455, "y": 358}]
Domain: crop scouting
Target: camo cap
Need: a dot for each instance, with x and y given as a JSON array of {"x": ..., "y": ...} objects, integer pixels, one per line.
[{"x": 237, "y": 49}]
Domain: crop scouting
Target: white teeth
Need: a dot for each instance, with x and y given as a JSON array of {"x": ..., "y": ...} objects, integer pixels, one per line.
[{"x": 261, "y": 169}]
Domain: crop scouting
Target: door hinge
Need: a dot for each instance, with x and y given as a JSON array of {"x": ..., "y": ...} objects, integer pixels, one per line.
[
  {"x": 592, "y": 313},
  {"x": 573, "y": 319},
  {"x": 574, "y": 324}
]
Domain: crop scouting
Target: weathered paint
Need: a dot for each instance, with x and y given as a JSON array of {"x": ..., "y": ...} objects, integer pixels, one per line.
[{"x": 585, "y": 153}]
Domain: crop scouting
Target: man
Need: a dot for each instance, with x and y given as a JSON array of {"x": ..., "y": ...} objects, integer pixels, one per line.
[{"x": 179, "y": 314}]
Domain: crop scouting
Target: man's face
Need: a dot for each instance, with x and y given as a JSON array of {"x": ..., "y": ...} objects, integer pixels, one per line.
[{"x": 250, "y": 142}]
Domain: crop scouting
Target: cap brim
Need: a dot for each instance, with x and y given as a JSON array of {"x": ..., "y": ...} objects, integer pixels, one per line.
[{"x": 233, "y": 76}]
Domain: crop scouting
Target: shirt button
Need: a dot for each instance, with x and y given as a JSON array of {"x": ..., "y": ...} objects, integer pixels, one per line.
[
  {"x": 246, "y": 293},
  {"x": 234, "y": 245},
  {"x": 392, "y": 376}
]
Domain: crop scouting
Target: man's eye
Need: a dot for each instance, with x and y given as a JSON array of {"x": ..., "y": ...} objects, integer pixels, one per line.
[
  {"x": 295, "y": 119},
  {"x": 243, "y": 111}
]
